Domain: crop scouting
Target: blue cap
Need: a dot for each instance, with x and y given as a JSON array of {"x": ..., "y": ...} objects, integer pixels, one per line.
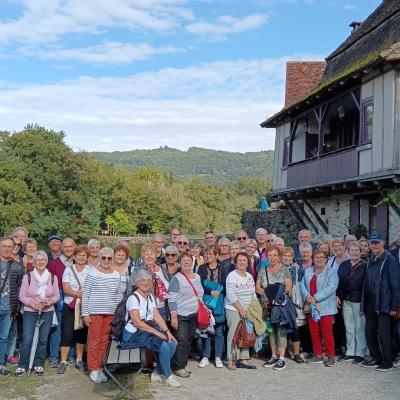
[{"x": 375, "y": 237}]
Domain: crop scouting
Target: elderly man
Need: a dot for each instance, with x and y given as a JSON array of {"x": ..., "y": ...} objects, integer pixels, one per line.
[
  {"x": 182, "y": 243},
  {"x": 173, "y": 235},
  {"x": 241, "y": 236},
  {"x": 349, "y": 240},
  {"x": 261, "y": 237},
  {"x": 209, "y": 238},
  {"x": 304, "y": 236},
  {"x": 54, "y": 243},
  {"x": 380, "y": 300},
  {"x": 57, "y": 267},
  {"x": 11, "y": 273},
  {"x": 224, "y": 252}
]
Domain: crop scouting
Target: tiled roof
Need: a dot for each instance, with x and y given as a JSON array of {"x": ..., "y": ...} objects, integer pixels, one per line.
[{"x": 301, "y": 78}]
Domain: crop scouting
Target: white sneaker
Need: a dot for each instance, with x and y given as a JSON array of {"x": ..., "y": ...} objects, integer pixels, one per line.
[
  {"x": 204, "y": 362},
  {"x": 102, "y": 376},
  {"x": 94, "y": 376},
  {"x": 155, "y": 378},
  {"x": 172, "y": 382},
  {"x": 219, "y": 363}
]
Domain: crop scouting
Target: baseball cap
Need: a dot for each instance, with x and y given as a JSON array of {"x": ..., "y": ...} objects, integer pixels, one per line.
[
  {"x": 375, "y": 237},
  {"x": 53, "y": 237}
]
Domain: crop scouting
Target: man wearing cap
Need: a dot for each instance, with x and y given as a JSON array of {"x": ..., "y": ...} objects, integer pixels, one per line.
[
  {"x": 54, "y": 243},
  {"x": 380, "y": 300}
]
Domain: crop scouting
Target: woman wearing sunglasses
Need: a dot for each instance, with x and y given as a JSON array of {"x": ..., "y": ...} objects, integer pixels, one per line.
[{"x": 99, "y": 301}]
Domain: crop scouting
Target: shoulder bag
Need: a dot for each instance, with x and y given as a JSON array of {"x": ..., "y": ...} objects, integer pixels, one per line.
[
  {"x": 242, "y": 338},
  {"x": 76, "y": 305}
]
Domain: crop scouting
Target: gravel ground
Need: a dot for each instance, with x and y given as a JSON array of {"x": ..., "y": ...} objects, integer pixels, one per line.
[{"x": 344, "y": 381}]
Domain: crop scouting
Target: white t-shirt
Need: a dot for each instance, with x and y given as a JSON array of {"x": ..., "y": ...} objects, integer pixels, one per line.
[
  {"x": 145, "y": 307},
  {"x": 68, "y": 277}
]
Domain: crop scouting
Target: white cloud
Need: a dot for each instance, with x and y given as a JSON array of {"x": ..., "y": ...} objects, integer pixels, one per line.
[
  {"x": 217, "y": 105},
  {"x": 106, "y": 53},
  {"x": 44, "y": 21},
  {"x": 349, "y": 6},
  {"x": 225, "y": 25}
]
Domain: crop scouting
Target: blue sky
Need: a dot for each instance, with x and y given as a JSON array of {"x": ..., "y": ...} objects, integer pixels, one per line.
[{"x": 127, "y": 74}]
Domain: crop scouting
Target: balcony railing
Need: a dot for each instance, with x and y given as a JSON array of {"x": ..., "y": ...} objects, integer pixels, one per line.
[{"x": 328, "y": 168}]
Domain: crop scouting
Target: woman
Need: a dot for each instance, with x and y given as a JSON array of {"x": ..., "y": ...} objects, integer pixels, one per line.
[
  {"x": 236, "y": 246},
  {"x": 17, "y": 248},
  {"x": 240, "y": 291},
  {"x": 326, "y": 248},
  {"x": 73, "y": 281},
  {"x": 351, "y": 280},
  {"x": 29, "y": 247},
  {"x": 146, "y": 328},
  {"x": 318, "y": 288},
  {"x": 171, "y": 261},
  {"x": 251, "y": 247},
  {"x": 213, "y": 274},
  {"x": 183, "y": 305},
  {"x": 101, "y": 293},
  {"x": 365, "y": 251},
  {"x": 287, "y": 258},
  {"x": 94, "y": 248},
  {"x": 39, "y": 292},
  {"x": 196, "y": 252},
  {"x": 121, "y": 254},
  {"x": 268, "y": 281}
]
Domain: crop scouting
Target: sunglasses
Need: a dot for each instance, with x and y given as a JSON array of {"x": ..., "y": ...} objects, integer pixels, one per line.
[
  {"x": 104, "y": 258},
  {"x": 170, "y": 255},
  {"x": 185, "y": 243},
  {"x": 242, "y": 238},
  {"x": 269, "y": 240}
]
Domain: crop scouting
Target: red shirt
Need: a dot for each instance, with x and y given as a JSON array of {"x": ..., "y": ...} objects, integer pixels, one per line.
[
  {"x": 313, "y": 285},
  {"x": 57, "y": 268}
]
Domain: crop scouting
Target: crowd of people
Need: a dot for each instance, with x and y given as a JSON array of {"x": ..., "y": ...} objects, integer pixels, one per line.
[{"x": 225, "y": 302}]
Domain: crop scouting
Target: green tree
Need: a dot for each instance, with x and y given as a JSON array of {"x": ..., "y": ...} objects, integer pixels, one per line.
[{"x": 120, "y": 224}]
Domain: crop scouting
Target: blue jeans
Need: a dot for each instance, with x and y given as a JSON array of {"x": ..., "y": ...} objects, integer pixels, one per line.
[
  {"x": 12, "y": 338},
  {"x": 5, "y": 324},
  {"x": 27, "y": 338},
  {"x": 142, "y": 339},
  {"x": 219, "y": 342},
  {"x": 55, "y": 333},
  {"x": 355, "y": 329}
]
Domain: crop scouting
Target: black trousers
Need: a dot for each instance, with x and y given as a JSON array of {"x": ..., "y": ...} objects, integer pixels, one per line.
[
  {"x": 69, "y": 336},
  {"x": 184, "y": 335},
  {"x": 305, "y": 339},
  {"x": 378, "y": 333}
]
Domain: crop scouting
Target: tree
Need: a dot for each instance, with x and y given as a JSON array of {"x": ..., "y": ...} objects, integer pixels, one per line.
[{"x": 120, "y": 224}]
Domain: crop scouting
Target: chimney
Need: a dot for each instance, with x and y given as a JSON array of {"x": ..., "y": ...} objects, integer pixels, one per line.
[{"x": 355, "y": 25}]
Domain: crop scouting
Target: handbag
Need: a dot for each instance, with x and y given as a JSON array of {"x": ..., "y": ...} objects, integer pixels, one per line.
[
  {"x": 242, "y": 338},
  {"x": 203, "y": 313},
  {"x": 76, "y": 305}
]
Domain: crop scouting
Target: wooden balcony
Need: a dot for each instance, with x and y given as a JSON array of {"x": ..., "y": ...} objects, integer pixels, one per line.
[{"x": 323, "y": 170}]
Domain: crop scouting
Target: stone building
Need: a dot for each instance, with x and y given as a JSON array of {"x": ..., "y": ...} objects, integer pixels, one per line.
[{"x": 337, "y": 146}]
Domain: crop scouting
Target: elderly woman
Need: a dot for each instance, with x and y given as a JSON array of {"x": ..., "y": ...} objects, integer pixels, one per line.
[
  {"x": 39, "y": 292},
  {"x": 268, "y": 280},
  {"x": 101, "y": 293},
  {"x": 365, "y": 251},
  {"x": 250, "y": 249},
  {"x": 236, "y": 246},
  {"x": 240, "y": 291},
  {"x": 325, "y": 246},
  {"x": 213, "y": 275},
  {"x": 185, "y": 290},
  {"x": 146, "y": 328},
  {"x": 318, "y": 288},
  {"x": 351, "y": 280},
  {"x": 121, "y": 254},
  {"x": 171, "y": 261},
  {"x": 29, "y": 247},
  {"x": 73, "y": 281},
  {"x": 196, "y": 252},
  {"x": 94, "y": 248}
]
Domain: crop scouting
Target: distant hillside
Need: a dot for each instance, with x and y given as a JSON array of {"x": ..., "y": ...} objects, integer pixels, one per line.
[{"x": 213, "y": 166}]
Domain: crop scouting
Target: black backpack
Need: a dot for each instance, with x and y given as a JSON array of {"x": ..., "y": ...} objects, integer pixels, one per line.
[{"x": 118, "y": 322}]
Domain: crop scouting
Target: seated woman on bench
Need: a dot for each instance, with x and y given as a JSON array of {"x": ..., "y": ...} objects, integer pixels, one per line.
[{"x": 145, "y": 328}]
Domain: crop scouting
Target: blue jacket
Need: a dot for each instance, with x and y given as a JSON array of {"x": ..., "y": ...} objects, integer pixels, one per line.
[{"x": 327, "y": 283}]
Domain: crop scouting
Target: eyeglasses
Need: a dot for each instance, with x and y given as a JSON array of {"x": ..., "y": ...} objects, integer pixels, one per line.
[
  {"x": 242, "y": 238},
  {"x": 319, "y": 258},
  {"x": 269, "y": 240},
  {"x": 185, "y": 243},
  {"x": 170, "y": 255},
  {"x": 41, "y": 260},
  {"x": 104, "y": 258}
]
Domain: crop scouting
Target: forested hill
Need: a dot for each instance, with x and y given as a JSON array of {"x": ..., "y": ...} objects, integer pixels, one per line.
[{"x": 213, "y": 166}]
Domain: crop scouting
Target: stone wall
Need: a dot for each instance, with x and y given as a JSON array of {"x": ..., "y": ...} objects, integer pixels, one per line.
[{"x": 281, "y": 222}]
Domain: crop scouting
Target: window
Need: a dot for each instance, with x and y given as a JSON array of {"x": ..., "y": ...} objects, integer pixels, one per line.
[
  {"x": 286, "y": 151},
  {"x": 367, "y": 118}
]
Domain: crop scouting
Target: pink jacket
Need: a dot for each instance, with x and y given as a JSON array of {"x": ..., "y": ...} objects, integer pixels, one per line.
[{"x": 28, "y": 293}]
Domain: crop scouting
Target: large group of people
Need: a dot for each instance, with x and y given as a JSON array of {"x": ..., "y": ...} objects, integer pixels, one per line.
[{"x": 224, "y": 302}]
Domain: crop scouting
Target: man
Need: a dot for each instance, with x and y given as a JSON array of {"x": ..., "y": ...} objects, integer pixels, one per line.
[
  {"x": 261, "y": 237},
  {"x": 54, "y": 243},
  {"x": 173, "y": 235},
  {"x": 381, "y": 299},
  {"x": 209, "y": 238},
  {"x": 349, "y": 240},
  {"x": 182, "y": 243},
  {"x": 224, "y": 252},
  {"x": 241, "y": 236},
  {"x": 304, "y": 236},
  {"x": 22, "y": 234},
  {"x": 158, "y": 241},
  {"x": 57, "y": 267},
  {"x": 11, "y": 273}
]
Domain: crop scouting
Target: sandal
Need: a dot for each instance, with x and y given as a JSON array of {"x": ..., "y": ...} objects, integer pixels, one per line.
[{"x": 231, "y": 365}]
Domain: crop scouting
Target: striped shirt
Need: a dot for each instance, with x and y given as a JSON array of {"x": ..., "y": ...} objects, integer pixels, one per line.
[{"x": 101, "y": 293}]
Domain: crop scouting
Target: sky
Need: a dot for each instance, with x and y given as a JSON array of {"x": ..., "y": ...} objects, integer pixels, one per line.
[{"x": 140, "y": 74}]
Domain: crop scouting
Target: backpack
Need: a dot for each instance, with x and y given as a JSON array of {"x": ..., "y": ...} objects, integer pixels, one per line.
[{"x": 118, "y": 322}]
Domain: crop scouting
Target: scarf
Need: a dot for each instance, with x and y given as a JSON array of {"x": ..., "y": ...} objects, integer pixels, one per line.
[
  {"x": 160, "y": 291},
  {"x": 42, "y": 282}
]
